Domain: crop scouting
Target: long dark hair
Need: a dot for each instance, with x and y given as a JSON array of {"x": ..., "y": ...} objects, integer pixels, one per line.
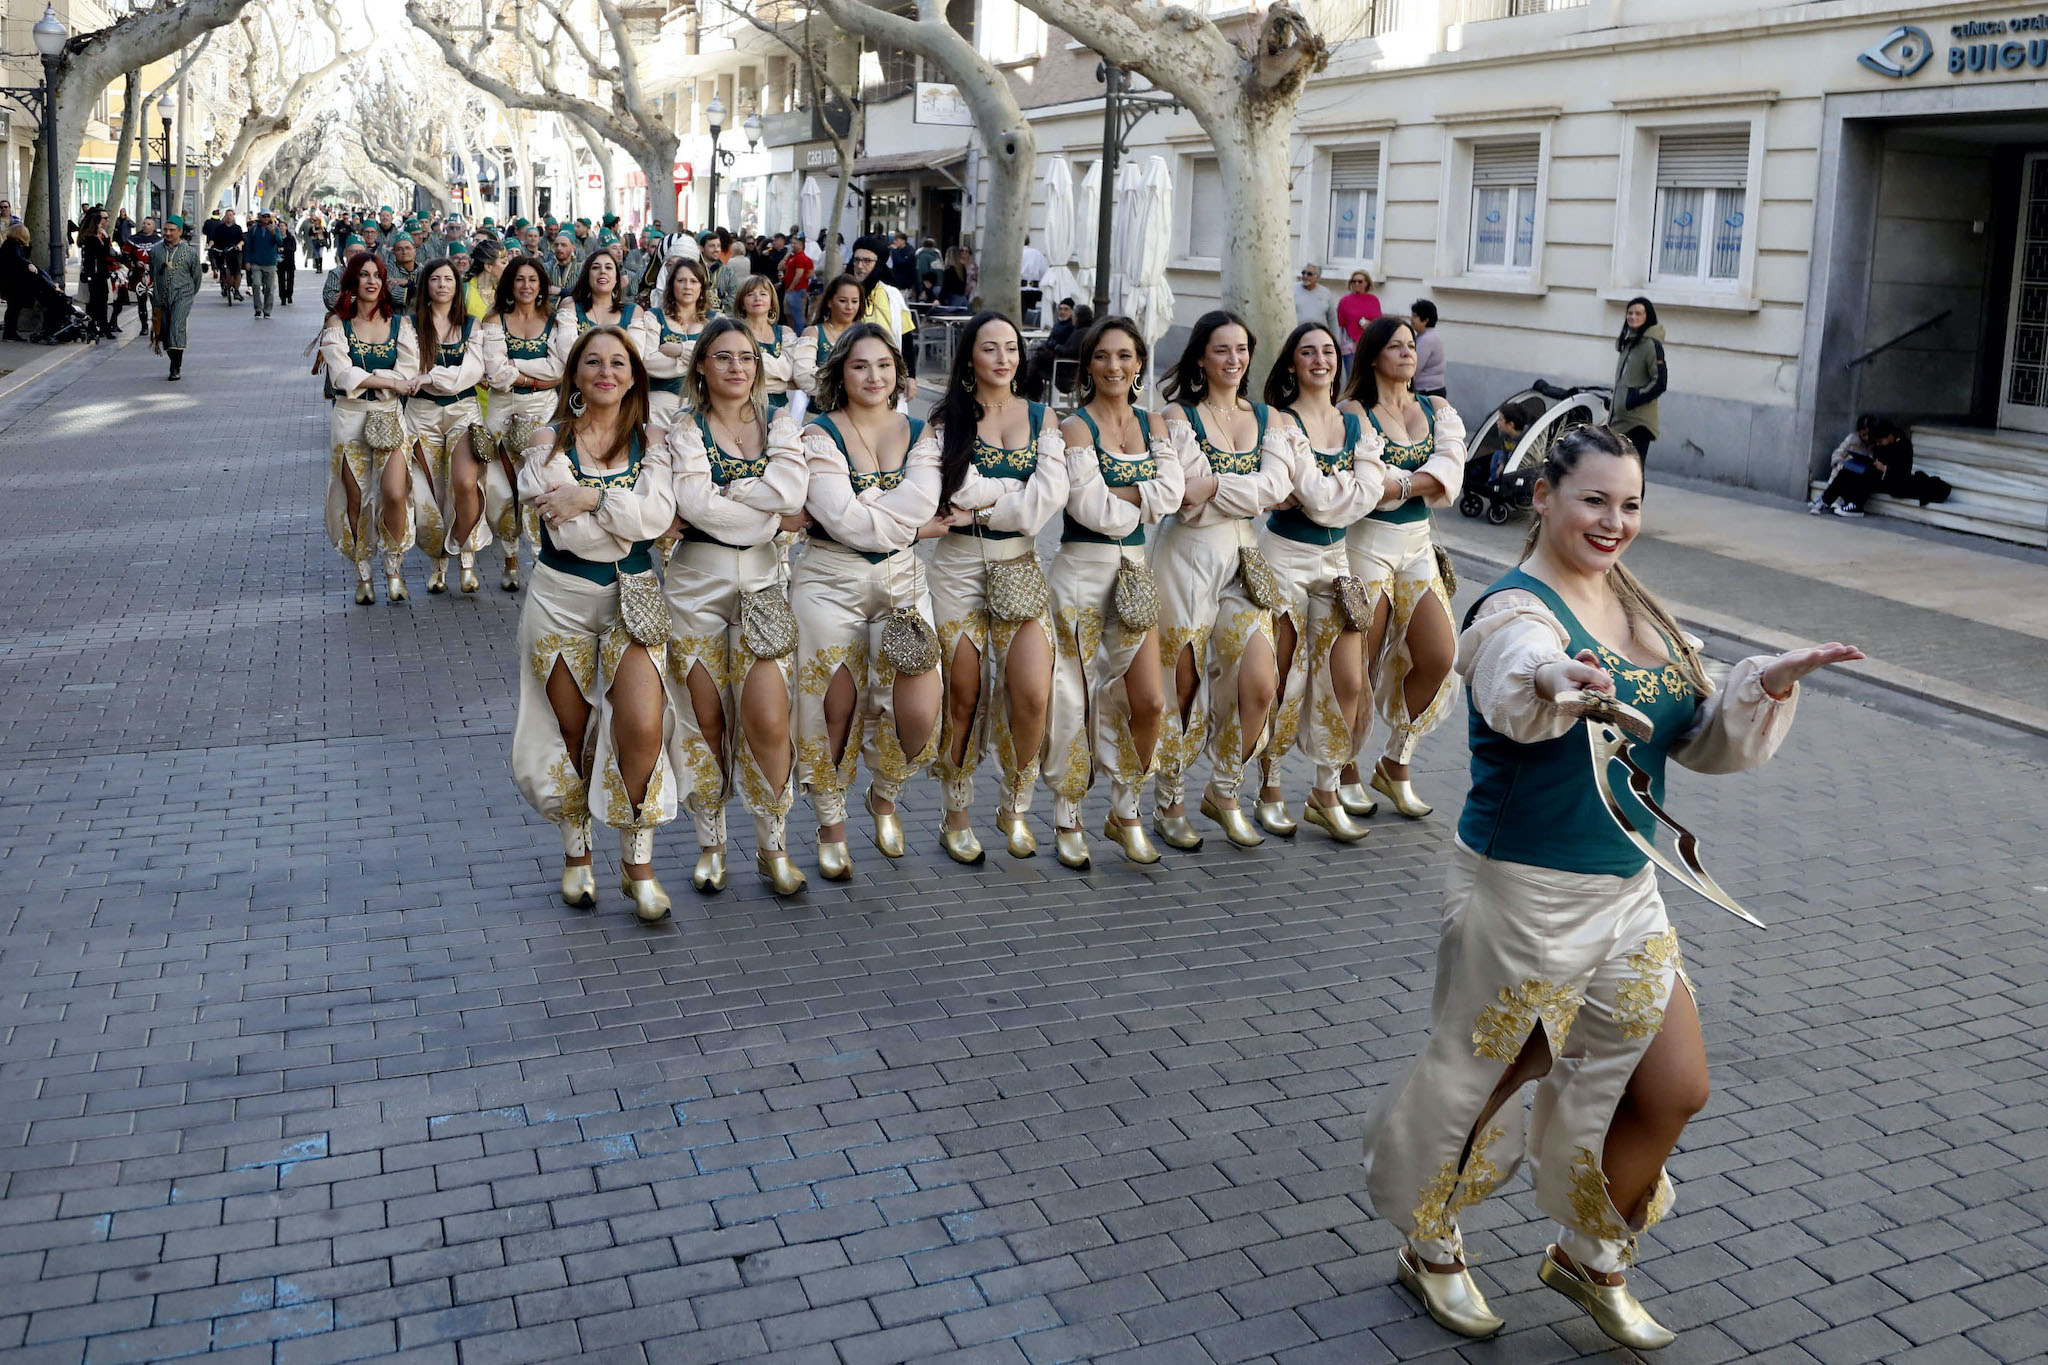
[
  {"x": 960, "y": 411},
  {"x": 582, "y": 291},
  {"x": 1186, "y": 382},
  {"x": 1283, "y": 385},
  {"x": 1084, "y": 382},
  {"x": 1364, "y": 388},
  {"x": 504, "y": 304},
  {"x": 1573, "y": 444},
  {"x": 698, "y": 388},
  {"x": 480, "y": 257},
  {"x": 684, "y": 265},
  {"x": 632, "y": 407},
  {"x": 1628, "y": 333},
  {"x": 832, "y": 374},
  {"x": 424, "y": 324},
  {"x": 822, "y": 309},
  {"x": 345, "y": 301}
]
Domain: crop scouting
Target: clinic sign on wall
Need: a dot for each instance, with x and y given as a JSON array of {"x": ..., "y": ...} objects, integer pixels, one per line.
[{"x": 1976, "y": 47}]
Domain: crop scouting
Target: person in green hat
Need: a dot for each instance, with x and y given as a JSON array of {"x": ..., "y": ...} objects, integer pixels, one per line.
[
  {"x": 584, "y": 241},
  {"x": 608, "y": 232},
  {"x": 174, "y": 268},
  {"x": 403, "y": 271}
]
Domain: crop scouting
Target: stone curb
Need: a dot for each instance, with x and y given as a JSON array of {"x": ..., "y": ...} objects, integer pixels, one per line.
[{"x": 1872, "y": 672}]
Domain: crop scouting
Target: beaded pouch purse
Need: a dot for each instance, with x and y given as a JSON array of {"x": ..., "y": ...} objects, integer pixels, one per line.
[
  {"x": 1136, "y": 595},
  {"x": 1261, "y": 584},
  {"x": 1353, "y": 601},
  {"x": 483, "y": 443},
  {"x": 1446, "y": 570},
  {"x": 767, "y": 624},
  {"x": 1017, "y": 590},
  {"x": 382, "y": 429},
  {"x": 643, "y": 610},
  {"x": 908, "y": 641}
]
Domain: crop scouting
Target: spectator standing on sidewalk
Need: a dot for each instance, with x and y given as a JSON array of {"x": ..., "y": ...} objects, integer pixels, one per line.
[
  {"x": 96, "y": 267},
  {"x": 260, "y": 253},
  {"x": 124, "y": 228},
  {"x": 1639, "y": 375},
  {"x": 287, "y": 260},
  {"x": 1312, "y": 302},
  {"x": 797, "y": 269},
  {"x": 17, "y": 279},
  {"x": 1430, "y": 366},
  {"x": 1358, "y": 307}
]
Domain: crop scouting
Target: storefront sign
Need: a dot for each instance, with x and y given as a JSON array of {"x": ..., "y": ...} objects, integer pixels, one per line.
[
  {"x": 1976, "y": 47},
  {"x": 815, "y": 157},
  {"x": 943, "y": 105}
]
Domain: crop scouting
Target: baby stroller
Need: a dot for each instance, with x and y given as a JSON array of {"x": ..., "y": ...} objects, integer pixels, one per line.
[
  {"x": 1508, "y": 451},
  {"x": 63, "y": 319}
]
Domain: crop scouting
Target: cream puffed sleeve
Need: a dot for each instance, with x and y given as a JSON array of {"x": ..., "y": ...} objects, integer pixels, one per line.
[
  {"x": 744, "y": 512},
  {"x": 1090, "y": 502},
  {"x": 1447, "y": 464},
  {"x": 487, "y": 344},
  {"x": 1511, "y": 636},
  {"x": 1342, "y": 497},
  {"x": 1740, "y": 726},
  {"x": 1251, "y": 495},
  {"x": 1187, "y": 451},
  {"x": 804, "y": 363},
  {"x": 562, "y": 336},
  {"x": 460, "y": 377},
  {"x": 342, "y": 371},
  {"x": 879, "y": 520},
  {"x": 628, "y": 516},
  {"x": 645, "y": 334},
  {"x": 778, "y": 372},
  {"x": 1018, "y": 505},
  {"x": 660, "y": 365}
]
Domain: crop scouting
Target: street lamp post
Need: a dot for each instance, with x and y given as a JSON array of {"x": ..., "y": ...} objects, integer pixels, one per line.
[
  {"x": 40, "y": 101},
  {"x": 1122, "y": 107},
  {"x": 166, "y": 107},
  {"x": 714, "y": 114}
]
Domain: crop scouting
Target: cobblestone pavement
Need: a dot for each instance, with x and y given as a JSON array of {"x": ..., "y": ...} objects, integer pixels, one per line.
[{"x": 301, "y": 1060}]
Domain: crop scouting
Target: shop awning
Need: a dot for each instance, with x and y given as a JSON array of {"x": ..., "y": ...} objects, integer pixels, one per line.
[{"x": 940, "y": 163}]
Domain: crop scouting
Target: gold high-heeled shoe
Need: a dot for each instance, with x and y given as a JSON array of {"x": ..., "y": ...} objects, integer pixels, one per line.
[
  {"x": 1453, "y": 1300},
  {"x": 962, "y": 846},
  {"x": 779, "y": 871},
  {"x": 888, "y": 829},
  {"x": 1333, "y": 821},
  {"x": 1022, "y": 843},
  {"x": 1274, "y": 819},
  {"x": 394, "y": 588},
  {"x": 579, "y": 886},
  {"x": 510, "y": 581},
  {"x": 710, "y": 874},
  {"x": 835, "y": 864},
  {"x": 1177, "y": 831},
  {"x": 1071, "y": 848},
  {"x": 1356, "y": 800},
  {"x": 1613, "y": 1309},
  {"x": 365, "y": 594},
  {"x": 437, "y": 581},
  {"x": 650, "y": 902},
  {"x": 1237, "y": 826},
  {"x": 470, "y": 582},
  {"x": 1131, "y": 839},
  {"x": 1401, "y": 792}
]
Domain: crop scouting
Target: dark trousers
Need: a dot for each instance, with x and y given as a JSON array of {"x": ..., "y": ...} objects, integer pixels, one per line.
[
  {"x": 96, "y": 301},
  {"x": 1640, "y": 438},
  {"x": 285, "y": 272},
  {"x": 11, "y": 329},
  {"x": 1851, "y": 485}
]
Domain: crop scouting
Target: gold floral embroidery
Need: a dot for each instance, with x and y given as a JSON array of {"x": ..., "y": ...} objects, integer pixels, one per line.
[
  {"x": 710, "y": 650},
  {"x": 1591, "y": 1204},
  {"x": 1436, "y": 1215},
  {"x": 1000, "y": 462},
  {"x": 1502, "y": 1029},
  {"x": 573, "y": 790},
  {"x": 1639, "y": 1004},
  {"x": 620, "y": 810},
  {"x": 579, "y": 652},
  {"x": 814, "y": 676}
]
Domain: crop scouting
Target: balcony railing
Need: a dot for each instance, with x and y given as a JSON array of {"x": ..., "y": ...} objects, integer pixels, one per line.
[{"x": 1478, "y": 11}]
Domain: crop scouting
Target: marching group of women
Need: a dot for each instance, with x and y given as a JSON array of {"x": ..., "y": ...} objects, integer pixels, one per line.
[{"x": 1235, "y": 578}]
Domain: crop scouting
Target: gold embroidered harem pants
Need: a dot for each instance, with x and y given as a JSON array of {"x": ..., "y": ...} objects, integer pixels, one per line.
[
  {"x": 1203, "y": 606},
  {"x": 501, "y": 479},
  {"x": 438, "y": 429},
  {"x": 576, "y": 621},
  {"x": 350, "y": 456},
  {"x": 842, "y": 602},
  {"x": 1090, "y": 724},
  {"x": 1591, "y": 961},
  {"x": 1306, "y": 714},
  {"x": 960, "y": 603},
  {"x": 704, "y": 584},
  {"x": 1398, "y": 561}
]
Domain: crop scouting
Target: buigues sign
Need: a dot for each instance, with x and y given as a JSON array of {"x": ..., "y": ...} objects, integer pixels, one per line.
[{"x": 1976, "y": 47}]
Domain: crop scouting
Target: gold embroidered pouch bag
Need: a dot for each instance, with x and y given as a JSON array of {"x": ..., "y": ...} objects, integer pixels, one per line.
[
  {"x": 1017, "y": 590},
  {"x": 643, "y": 610},
  {"x": 1261, "y": 584},
  {"x": 908, "y": 641},
  {"x": 383, "y": 429},
  {"x": 1136, "y": 595}
]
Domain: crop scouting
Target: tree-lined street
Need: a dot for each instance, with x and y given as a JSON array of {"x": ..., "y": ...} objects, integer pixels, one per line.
[{"x": 301, "y": 1059}]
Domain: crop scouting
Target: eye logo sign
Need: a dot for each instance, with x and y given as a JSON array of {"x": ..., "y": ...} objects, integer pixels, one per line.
[{"x": 1904, "y": 50}]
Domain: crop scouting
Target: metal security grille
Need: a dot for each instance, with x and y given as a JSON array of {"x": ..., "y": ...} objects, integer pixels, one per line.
[
  {"x": 1505, "y": 163},
  {"x": 1355, "y": 170},
  {"x": 1703, "y": 160}
]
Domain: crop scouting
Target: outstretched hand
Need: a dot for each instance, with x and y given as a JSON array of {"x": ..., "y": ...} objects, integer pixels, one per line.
[
  {"x": 1783, "y": 673},
  {"x": 1580, "y": 674}
]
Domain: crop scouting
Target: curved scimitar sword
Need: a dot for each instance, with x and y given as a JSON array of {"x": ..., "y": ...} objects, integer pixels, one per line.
[{"x": 1605, "y": 722}]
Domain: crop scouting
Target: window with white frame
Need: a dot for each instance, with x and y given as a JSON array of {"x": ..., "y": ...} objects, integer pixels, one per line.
[
  {"x": 1007, "y": 32},
  {"x": 1702, "y": 185},
  {"x": 1503, "y": 233},
  {"x": 1354, "y": 205},
  {"x": 1205, "y": 207}
]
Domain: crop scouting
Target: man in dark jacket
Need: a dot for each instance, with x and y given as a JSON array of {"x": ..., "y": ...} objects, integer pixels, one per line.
[
  {"x": 903, "y": 264},
  {"x": 228, "y": 240},
  {"x": 260, "y": 253}
]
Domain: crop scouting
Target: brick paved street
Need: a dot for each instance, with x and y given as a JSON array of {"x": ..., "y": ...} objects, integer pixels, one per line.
[{"x": 302, "y": 1061}]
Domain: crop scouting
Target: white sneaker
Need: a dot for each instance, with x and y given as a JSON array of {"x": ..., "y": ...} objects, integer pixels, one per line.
[
  {"x": 1817, "y": 507},
  {"x": 1843, "y": 509}
]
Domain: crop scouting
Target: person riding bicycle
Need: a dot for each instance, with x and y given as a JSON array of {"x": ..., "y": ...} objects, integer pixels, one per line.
[{"x": 227, "y": 239}]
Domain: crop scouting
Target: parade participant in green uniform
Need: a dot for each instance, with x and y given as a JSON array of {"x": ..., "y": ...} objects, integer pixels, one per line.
[
  {"x": 404, "y": 272},
  {"x": 174, "y": 266}
]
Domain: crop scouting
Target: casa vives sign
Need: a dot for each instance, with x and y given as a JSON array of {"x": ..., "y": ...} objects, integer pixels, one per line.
[{"x": 1976, "y": 47}]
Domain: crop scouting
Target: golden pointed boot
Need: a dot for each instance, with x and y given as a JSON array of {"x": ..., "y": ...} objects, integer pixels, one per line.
[
  {"x": 394, "y": 578},
  {"x": 1274, "y": 819},
  {"x": 1022, "y": 843},
  {"x": 709, "y": 877},
  {"x": 650, "y": 901},
  {"x": 888, "y": 829},
  {"x": 779, "y": 871},
  {"x": 470, "y": 582},
  {"x": 1177, "y": 831},
  {"x": 1070, "y": 846},
  {"x": 1356, "y": 800},
  {"x": 1453, "y": 1300},
  {"x": 1613, "y": 1309},
  {"x": 510, "y": 581},
  {"x": 437, "y": 581},
  {"x": 962, "y": 846},
  {"x": 1237, "y": 826},
  {"x": 365, "y": 594},
  {"x": 1333, "y": 821},
  {"x": 579, "y": 880},
  {"x": 1131, "y": 839},
  {"x": 835, "y": 862},
  {"x": 1401, "y": 792}
]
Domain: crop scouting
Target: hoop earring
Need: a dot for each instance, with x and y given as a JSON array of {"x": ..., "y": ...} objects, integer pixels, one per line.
[
  {"x": 576, "y": 402},
  {"x": 967, "y": 383}
]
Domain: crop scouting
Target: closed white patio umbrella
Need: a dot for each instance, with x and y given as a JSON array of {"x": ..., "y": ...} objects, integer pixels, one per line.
[
  {"x": 1086, "y": 206},
  {"x": 1148, "y": 297},
  {"x": 811, "y": 208},
  {"x": 1060, "y": 281}
]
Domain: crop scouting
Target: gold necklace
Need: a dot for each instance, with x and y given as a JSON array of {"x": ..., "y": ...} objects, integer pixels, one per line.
[
  {"x": 865, "y": 444},
  {"x": 1137, "y": 437},
  {"x": 739, "y": 445},
  {"x": 1223, "y": 420}
]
